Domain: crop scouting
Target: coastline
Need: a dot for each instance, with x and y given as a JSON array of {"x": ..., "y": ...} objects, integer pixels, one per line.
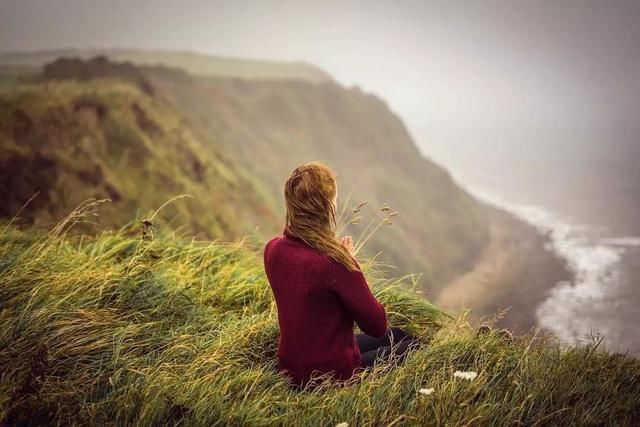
[{"x": 516, "y": 272}]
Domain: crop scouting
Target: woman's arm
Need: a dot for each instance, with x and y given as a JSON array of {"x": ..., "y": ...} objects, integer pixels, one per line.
[
  {"x": 265, "y": 256},
  {"x": 362, "y": 305}
]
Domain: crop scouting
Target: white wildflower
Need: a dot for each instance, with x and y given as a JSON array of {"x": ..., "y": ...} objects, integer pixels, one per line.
[
  {"x": 426, "y": 391},
  {"x": 470, "y": 375}
]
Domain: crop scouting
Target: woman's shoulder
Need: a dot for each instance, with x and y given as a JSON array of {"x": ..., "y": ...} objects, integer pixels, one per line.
[
  {"x": 292, "y": 245},
  {"x": 284, "y": 241},
  {"x": 274, "y": 239},
  {"x": 272, "y": 242}
]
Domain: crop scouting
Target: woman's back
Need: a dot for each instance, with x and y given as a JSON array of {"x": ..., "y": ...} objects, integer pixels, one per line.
[{"x": 318, "y": 301}]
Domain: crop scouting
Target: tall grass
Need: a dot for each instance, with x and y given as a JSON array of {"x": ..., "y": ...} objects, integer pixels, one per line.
[{"x": 120, "y": 329}]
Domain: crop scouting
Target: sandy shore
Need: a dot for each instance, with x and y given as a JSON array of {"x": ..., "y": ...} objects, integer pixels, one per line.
[{"x": 514, "y": 273}]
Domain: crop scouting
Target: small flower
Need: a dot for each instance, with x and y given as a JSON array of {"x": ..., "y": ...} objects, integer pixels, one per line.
[
  {"x": 342, "y": 424},
  {"x": 385, "y": 208},
  {"x": 425, "y": 391},
  {"x": 470, "y": 375}
]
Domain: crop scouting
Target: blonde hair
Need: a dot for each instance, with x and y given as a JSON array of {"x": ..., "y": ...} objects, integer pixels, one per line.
[{"x": 311, "y": 214}]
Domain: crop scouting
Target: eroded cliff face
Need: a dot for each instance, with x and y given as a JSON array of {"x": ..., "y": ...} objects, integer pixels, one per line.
[{"x": 66, "y": 141}]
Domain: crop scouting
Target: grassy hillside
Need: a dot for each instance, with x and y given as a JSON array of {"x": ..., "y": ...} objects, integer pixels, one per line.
[
  {"x": 67, "y": 141},
  {"x": 195, "y": 63},
  {"x": 272, "y": 126},
  {"x": 266, "y": 128},
  {"x": 115, "y": 329}
]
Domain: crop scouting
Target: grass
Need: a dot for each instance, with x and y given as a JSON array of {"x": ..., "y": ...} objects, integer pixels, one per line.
[{"x": 119, "y": 329}]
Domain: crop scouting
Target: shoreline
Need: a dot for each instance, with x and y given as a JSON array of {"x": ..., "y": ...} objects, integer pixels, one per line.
[{"x": 515, "y": 272}]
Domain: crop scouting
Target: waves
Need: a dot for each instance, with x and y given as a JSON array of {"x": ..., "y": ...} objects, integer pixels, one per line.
[{"x": 595, "y": 301}]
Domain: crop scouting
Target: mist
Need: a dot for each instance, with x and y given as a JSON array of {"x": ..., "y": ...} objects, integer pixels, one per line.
[
  {"x": 450, "y": 69},
  {"x": 532, "y": 103}
]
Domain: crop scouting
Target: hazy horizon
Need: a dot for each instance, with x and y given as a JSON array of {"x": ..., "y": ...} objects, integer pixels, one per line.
[{"x": 449, "y": 69}]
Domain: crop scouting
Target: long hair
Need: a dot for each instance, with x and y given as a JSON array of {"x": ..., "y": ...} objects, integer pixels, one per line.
[{"x": 311, "y": 215}]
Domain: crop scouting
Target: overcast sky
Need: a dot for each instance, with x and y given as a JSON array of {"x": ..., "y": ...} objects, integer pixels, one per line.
[{"x": 448, "y": 68}]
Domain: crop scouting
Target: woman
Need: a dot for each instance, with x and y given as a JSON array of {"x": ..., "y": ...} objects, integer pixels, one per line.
[{"x": 320, "y": 290}]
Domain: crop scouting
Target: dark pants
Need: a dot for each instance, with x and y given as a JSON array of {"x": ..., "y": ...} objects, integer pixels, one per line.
[{"x": 394, "y": 345}]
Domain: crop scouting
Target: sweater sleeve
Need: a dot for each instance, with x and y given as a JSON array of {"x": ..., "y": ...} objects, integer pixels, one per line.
[
  {"x": 353, "y": 289},
  {"x": 265, "y": 256}
]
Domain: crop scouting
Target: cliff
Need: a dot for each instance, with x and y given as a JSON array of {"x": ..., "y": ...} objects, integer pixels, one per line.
[{"x": 161, "y": 128}]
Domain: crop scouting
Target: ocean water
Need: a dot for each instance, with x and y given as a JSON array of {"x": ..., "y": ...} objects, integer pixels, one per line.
[{"x": 600, "y": 302}]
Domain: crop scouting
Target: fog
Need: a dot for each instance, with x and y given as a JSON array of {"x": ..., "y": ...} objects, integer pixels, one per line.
[
  {"x": 452, "y": 70},
  {"x": 535, "y": 102}
]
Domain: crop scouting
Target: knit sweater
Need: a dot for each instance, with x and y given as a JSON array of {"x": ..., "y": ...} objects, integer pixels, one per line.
[{"x": 318, "y": 300}]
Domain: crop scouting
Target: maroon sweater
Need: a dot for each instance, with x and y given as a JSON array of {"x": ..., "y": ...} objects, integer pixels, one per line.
[{"x": 318, "y": 300}]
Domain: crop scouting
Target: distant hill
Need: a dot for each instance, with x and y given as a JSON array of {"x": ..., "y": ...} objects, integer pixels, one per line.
[
  {"x": 263, "y": 128},
  {"x": 192, "y": 62}
]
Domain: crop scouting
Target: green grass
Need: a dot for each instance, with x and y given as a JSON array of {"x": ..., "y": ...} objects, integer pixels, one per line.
[{"x": 118, "y": 329}]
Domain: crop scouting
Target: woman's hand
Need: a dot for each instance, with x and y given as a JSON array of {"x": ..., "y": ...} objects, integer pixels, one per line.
[{"x": 347, "y": 242}]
